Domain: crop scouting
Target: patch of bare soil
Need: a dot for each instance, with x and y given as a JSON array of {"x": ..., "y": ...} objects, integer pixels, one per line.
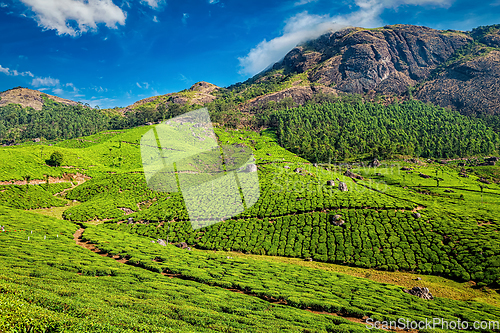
[
  {"x": 67, "y": 177},
  {"x": 77, "y": 237},
  {"x": 413, "y": 210},
  {"x": 127, "y": 211},
  {"x": 481, "y": 223}
]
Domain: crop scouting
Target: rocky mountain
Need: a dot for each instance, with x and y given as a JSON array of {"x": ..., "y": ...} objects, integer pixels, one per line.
[
  {"x": 470, "y": 82},
  {"x": 29, "y": 98},
  {"x": 451, "y": 68}
]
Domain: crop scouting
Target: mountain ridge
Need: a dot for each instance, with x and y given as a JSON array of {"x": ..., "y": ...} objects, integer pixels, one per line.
[{"x": 449, "y": 68}]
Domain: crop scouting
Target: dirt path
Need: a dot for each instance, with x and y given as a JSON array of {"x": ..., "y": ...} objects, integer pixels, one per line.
[
  {"x": 77, "y": 236},
  {"x": 67, "y": 177}
]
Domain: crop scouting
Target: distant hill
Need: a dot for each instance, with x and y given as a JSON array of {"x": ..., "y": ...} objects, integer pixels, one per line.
[
  {"x": 27, "y": 114},
  {"x": 199, "y": 94},
  {"x": 29, "y": 98}
]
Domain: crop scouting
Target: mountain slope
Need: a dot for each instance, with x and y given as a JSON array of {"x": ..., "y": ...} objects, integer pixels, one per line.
[
  {"x": 200, "y": 93},
  {"x": 471, "y": 80},
  {"x": 450, "y": 68},
  {"x": 29, "y": 98},
  {"x": 386, "y": 60}
]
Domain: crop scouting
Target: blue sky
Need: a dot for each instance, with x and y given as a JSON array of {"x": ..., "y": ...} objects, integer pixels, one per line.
[{"x": 115, "y": 52}]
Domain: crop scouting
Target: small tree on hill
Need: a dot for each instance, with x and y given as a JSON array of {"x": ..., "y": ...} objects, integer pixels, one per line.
[{"x": 55, "y": 159}]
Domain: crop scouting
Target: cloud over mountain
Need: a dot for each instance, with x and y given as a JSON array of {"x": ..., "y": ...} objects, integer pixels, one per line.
[{"x": 304, "y": 26}]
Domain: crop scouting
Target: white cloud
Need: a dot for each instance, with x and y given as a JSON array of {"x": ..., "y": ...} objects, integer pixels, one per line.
[
  {"x": 298, "y": 29},
  {"x": 44, "y": 82},
  {"x": 99, "y": 101},
  {"x": 74, "y": 17},
  {"x": 186, "y": 79},
  {"x": 71, "y": 85},
  {"x": 439, "y": 3},
  {"x": 144, "y": 85},
  {"x": 58, "y": 91},
  {"x": 153, "y": 3},
  {"x": 213, "y": 2},
  {"x": 155, "y": 19},
  {"x": 303, "y": 2},
  {"x": 99, "y": 89},
  {"x": 185, "y": 16},
  {"x": 3, "y": 5},
  {"x": 13, "y": 72},
  {"x": 16, "y": 73},
  {"x": 303, "y": 27}
]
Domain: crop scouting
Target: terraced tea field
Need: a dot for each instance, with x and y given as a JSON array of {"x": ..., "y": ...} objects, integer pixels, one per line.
[{"x": 394, "y": 221}]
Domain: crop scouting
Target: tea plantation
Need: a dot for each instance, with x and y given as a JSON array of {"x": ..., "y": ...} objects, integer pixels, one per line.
[{"x": 394, "y": 219}]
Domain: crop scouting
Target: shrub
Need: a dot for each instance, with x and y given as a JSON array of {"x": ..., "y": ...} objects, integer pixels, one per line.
[{"x": 55, "y": 159}]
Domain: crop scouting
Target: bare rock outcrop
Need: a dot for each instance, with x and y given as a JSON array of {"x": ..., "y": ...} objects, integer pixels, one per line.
[
  {"x": 343, "y": 187},
  {"x": 352, "y": 175},
  {"x": 337, "y": 220},
  {"x": 183, "y": 245},
  {"x": 386, "y": 60},
  {"x": 470, "y": 86},
  {"x": 421, "y": 292}
]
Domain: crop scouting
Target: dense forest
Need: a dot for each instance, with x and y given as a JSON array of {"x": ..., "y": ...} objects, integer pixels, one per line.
[
  {"x": 341, "y": 130},
  {"x": 54, "y": 122}
]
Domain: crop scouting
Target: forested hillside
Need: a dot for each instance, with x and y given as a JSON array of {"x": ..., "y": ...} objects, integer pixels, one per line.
[
  {"x": 59, "y": 121},
  {"x": 55, "y": 121},
  {"x": 343, "y": 130}
]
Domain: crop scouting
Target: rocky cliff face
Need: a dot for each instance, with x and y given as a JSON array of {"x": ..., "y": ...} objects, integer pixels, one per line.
[
  {"x": 391, "y": 59},
  {"x": 471, "y": 86}
]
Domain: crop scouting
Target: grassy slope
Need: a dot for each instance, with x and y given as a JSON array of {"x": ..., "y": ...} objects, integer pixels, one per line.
[
  {"x": 271, "y": 159},
  {"x": 98, "y": 157}
]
